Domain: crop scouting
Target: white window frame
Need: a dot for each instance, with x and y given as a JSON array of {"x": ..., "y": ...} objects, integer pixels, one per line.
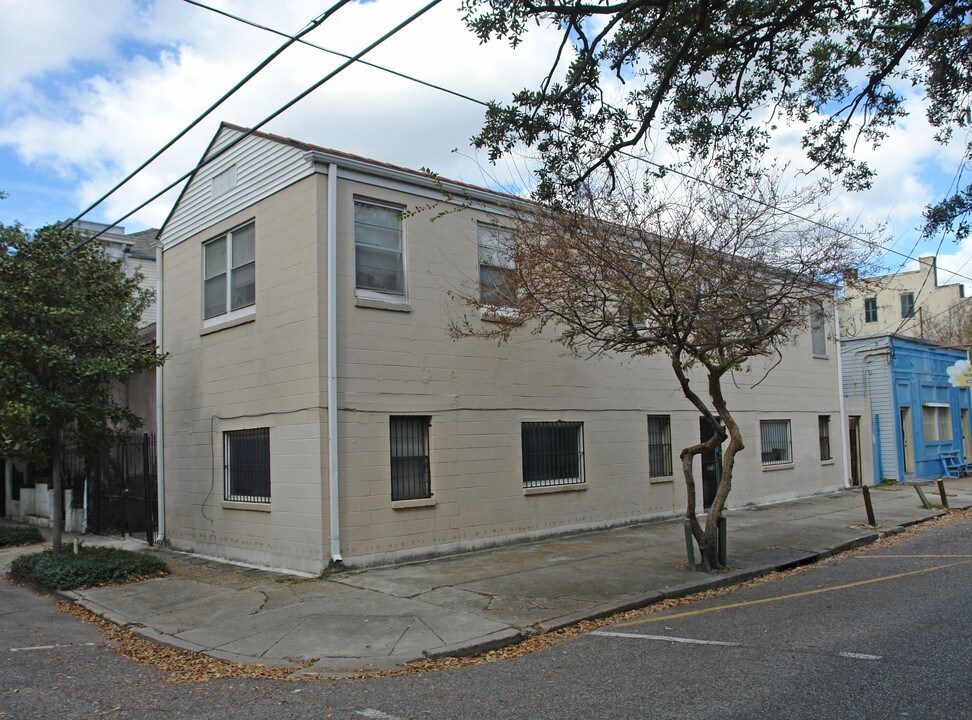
[
  {"x": 911, "y": 307},
  {"x": 823, "y": 422},
  {"x": 936, "y": 419},
  {"x": 230, "y": 313},
  {"x": 482, "y": 262},
  {"x": 377, "y": 294}
]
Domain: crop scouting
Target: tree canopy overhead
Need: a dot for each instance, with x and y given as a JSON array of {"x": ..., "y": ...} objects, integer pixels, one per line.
[{"x": 713, "y": 78}]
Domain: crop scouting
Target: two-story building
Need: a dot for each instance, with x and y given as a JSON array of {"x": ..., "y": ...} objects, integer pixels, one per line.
[{"x": 316, "y": 408}]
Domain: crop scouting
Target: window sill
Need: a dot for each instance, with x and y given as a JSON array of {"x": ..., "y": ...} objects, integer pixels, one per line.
[
  {"x": 821, "y": 356},
  {"x": 254, "y": 507},
  {"x": 393, "y": 305},
  {"x": 498, "y": 315},
  {"x": 219, "y": 323},
  {"x": 774, "y": 468},
  {"x": 548, "y": 489},
  {"x": 662, "y": 479},
  {"x": 827, "y": 462},
  {"x": 417, "y": 503}
]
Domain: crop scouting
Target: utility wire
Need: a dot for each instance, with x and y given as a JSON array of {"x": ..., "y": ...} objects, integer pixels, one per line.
[
  {"x": 283, "y": 108},
  {"x": 313, "y": 24},
  {"x": 906, "y": 257},
  {"x": 337, "y": 53}
]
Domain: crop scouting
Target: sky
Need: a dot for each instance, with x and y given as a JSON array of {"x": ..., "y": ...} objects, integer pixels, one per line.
[{"x": 89, "y": 90}]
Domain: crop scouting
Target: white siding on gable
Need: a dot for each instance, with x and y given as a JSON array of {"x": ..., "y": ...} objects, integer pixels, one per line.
[
  {"x": 263, "y": 167},
  {"x": 867, "y": 373}
]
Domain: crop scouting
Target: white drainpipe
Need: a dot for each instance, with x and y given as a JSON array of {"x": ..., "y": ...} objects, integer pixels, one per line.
[
  {"x": 159, "y": 415},
  {"x": 332, "y": 381},
  {"x": 844, "y": 428}
]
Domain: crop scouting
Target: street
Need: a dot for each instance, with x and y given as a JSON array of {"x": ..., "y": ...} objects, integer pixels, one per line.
[{"x": 881, "y": 633}]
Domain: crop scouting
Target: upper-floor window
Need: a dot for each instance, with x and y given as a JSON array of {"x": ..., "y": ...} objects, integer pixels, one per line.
[
  {"x": 229, "y": 271},
  {"x": 907, "y": 305},
  {"x": 496, "y": 286},
  {"x": 379, "y": 260},
  {"x": 818, "y": 329},
  {"x": 870, "y": 310}
]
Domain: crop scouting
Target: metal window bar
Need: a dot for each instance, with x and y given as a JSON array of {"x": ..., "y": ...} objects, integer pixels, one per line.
[
  {"x": 775, "y": 442},
  {"x": 411, "y": 477},
  {"x": 824, "y": 423},
  {"x": 553, "y": 453},
  {"x": 659, "y": 446},
  {"x": 246, "y": 465}
]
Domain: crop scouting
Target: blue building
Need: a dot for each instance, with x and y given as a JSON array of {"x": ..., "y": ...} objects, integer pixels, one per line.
[{"x": 916, "y": 413}]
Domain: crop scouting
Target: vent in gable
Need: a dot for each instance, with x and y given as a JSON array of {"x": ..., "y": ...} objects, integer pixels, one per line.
[{"x": 225, "y": 181}]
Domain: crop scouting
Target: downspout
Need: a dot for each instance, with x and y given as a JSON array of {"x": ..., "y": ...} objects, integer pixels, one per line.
[
  {"x": 844, "y": 428},
  {"x": 159, "y": 415},
  {"x": 332, "y": 383}
]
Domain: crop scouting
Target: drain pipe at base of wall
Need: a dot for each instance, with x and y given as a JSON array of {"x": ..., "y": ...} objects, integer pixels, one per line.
[
  {"x": 159, "y": 416},
  {"x": 332, "y": 384},
  {"x": 844, "y": 427}
]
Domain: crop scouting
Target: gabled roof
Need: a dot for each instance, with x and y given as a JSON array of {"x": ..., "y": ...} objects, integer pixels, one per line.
[{"x": 378, "y": 167}]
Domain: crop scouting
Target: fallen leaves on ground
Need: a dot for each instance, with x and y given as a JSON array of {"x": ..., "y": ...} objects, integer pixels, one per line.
[{"x": 185, "y": 666}]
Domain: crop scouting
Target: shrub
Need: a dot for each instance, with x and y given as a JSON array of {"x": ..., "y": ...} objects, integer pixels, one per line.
[
  {"x": 16, "y": 535},
  {"x": 90, "y": 567}
]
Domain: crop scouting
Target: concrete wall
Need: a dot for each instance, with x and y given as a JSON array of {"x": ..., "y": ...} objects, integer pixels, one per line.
[
  {"x": 935, "y": 304},
  {"x": 266, "y": 370},
  {"x": 259, "y": 371}
]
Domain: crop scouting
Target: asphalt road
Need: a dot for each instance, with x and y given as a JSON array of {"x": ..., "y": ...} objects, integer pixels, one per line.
[{"x": 883, "y": 634}]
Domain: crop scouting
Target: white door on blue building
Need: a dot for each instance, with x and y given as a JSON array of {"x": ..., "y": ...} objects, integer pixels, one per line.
[{"x": 907, "y": 441}]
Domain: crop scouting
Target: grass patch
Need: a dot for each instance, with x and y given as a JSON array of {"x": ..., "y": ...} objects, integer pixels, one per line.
[
  {"x": 92, "y": 566},
  {"x": 11, "y": 535}
]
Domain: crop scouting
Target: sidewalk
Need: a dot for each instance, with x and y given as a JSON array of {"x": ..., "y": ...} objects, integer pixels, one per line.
[{"x": 377, "y": 618}]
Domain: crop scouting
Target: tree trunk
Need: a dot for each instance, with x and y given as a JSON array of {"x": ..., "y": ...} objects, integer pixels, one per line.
[
  {"x": 57, "y": 506},
  {"x": 710, "y": 548}
]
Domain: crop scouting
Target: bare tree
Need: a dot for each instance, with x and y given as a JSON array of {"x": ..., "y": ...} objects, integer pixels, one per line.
[{"x": 709, "y": 280}]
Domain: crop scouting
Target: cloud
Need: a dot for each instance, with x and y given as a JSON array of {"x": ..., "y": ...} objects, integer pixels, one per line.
[{"x": 175, "y": 59}]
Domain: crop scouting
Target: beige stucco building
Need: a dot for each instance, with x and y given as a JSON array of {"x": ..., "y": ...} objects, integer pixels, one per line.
[
  {"x": 905, "y": 303},
  {"x": 316, "y": 408}
]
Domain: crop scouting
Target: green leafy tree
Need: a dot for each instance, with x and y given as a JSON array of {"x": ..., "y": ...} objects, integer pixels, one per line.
[
  {"x": 69, "y": 320},
  {"x": 713, "y": 78}
]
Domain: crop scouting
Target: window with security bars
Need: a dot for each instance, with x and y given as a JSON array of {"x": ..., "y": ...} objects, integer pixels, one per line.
[
  {"x": 553, "y": 453},
  {"x": 823, "y": 426},
  {"x": 775, "y": 445},
  {"x": 410, "y": 467},
  {"x": 659, "y": 446},
  {"x": 246, "y": 465},
  {"x": 870, "y": 310}
]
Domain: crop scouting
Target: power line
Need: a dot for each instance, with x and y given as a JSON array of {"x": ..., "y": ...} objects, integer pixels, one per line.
[
  {"x": 688, "y": 176},
  {"x": 313, "y": 24},
  {"x": 283, "y": 108}
]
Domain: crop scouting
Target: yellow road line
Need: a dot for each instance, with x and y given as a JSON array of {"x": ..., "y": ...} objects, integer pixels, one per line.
[
  {"x": 805, "y": 593},
  {"x": 946, "y": 555}
]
